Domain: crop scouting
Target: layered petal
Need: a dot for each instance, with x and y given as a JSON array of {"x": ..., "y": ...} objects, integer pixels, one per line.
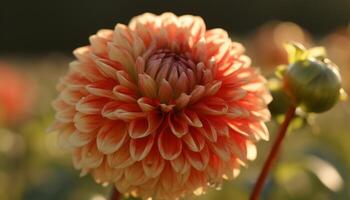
[
  {"x": 169, "y": 145},
  {"x": 111, "y": 137}
]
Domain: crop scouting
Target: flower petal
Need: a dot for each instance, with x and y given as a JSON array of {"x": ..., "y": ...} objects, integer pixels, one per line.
[
  {"x": 111, "y": 137},
  {"x": 106, "y": 70},
  {"x": 125, "y": 79},
  {"x": 197, "y": 93},
  {"x": 232, "y": 93},
  {"x": 87, "y": 123},
  {"x": 168, "y": 180},
  {"x": 260, "y": 130},
  {"x": 165, "y": 92},
  {"x": 105, "y": 174},
  {"x": 169, "y": 145},
  {"x": 195, "y": 26},
  {"x": 221, "y": 149},
  {"x": 153, "y": 67},
  {"x": 86, "y": 69},
  {"x": 142, "y": 127},
  {"x": 65, "y": 115},
  {"x": 101, "y": 88},
  {"x": 121, "y": 55},
  {"x": 90, "y": 104},
  {"x": 240, "y": 128},
  {"x": 199, "y": 50},
  {"x": 208, "y": 130},
  {"x": 79, "y": 139},
  {"x": 90, "y": 156},
  {"x": 153, "y": 164},
  {"x": 139, "y": 148},
  {"x": 182, "y": 100},
  {"x": 140, "y": 65},
  {"x": 121, "y": 158},
  {"x": 177, "y": 126},
  {"x": 213, "y": 88},
  {"x": 191, "y": 118},
  {"x": 122, "y": 37},
  {"x": 198, "y": 160},
  {"x": 99, "y": 41},
  {"x": 220, "y": 126},
  {"x": 146, "y": 104},
  {"x": 180, "y": 164},
  {"x": 237, "y": 145},
  {"x": 147, "y": 86},
  {"x": 194, "y": 140},
  {"x": 72, "y": 96},
  {"x": 122, "y": 111},
  {"x": 124, "y": 94},
  {"x": 135, "y": 175},
  {"x": 181, "y": 84},
  {"x": 212, "y": 106}
]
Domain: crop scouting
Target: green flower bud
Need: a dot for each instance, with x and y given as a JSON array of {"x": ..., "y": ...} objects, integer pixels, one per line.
[
  {"x": 313, "y": 83},
  {"x": 281, "y": 101}
]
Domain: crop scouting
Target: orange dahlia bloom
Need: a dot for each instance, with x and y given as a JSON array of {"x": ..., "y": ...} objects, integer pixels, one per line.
[{"x": 162, "y": 107}]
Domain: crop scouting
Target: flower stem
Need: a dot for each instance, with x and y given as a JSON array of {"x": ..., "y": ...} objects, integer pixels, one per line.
[
  {"x": 273, "y": 154},
  {"x": 115, "y": 195}
]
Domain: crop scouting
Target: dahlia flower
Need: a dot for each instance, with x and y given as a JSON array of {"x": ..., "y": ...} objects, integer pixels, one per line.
[
  {"x": 161, "y": 108},
  {"x": 16, "y": 95}
]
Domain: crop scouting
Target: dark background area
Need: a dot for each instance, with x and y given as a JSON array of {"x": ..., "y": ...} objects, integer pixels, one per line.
[{"x": 40, "y": 26}]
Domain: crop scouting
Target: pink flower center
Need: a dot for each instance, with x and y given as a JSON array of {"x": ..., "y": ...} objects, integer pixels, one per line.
[{"x": 176, "y": 68}]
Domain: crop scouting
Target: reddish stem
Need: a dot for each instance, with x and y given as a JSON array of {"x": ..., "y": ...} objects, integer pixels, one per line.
[
  {"x": 273, "y": 154},
  {"x": 115, "y": 195}
]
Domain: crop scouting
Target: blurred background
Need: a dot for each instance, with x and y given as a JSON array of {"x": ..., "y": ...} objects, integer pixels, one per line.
[{"x": 36, "y": 41}]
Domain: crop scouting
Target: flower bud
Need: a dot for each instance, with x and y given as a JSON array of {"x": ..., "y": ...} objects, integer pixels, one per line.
[
  {"x": 313, "y": 83},
  {"x": 281, "y": 101}
]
